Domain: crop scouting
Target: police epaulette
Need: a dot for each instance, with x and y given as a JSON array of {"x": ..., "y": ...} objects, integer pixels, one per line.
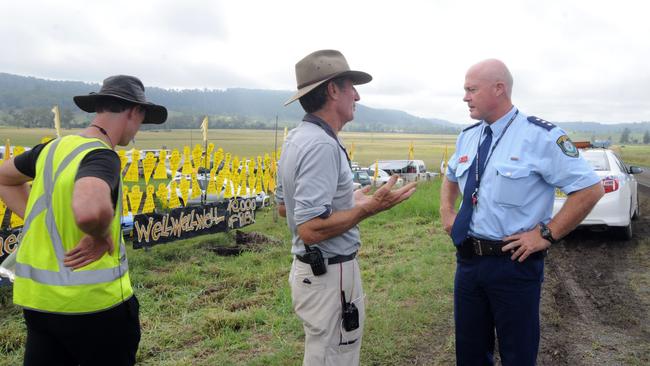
[
  {"x": 472, "y": 126},
  {"x": 541, "y": 123}
]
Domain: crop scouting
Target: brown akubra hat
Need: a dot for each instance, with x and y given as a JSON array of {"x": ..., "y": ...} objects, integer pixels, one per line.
[
  {"x": 321, "y": 66},
  {"x": 127, "y": 88}
]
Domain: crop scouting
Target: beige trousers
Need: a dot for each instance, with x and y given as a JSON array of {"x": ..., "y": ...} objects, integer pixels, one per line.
[{"x": 317, "y": 302}]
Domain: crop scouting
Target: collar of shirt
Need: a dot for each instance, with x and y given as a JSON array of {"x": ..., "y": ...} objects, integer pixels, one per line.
[
  {"x": 498, "y": 126},
  {"x": 328, "y": 130}
]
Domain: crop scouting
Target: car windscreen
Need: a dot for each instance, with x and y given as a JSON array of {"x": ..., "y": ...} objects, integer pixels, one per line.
[{"x": 597, "y": 159}]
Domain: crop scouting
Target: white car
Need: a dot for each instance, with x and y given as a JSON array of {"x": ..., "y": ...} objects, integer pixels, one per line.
[
  {"x": 620, "y": 204},
  {"x": 382, "y": 178}
]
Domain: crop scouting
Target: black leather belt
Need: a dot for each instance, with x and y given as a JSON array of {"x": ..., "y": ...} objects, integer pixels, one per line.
[
  {"x": 332, "y": 260},
  {"x": 482, "y": 247}
]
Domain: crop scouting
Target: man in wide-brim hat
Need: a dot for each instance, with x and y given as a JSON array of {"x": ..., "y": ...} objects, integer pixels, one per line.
[
  {"x": 315, "y": 193},
  {"x": 71, "y": 275}
]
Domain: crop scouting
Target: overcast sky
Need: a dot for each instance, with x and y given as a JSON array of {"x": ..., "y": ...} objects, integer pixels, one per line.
[{"x": 571, "y": 60}]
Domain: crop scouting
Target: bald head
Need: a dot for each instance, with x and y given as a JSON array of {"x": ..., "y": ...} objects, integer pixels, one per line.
[
  {"x": 493, "y": 71},
  {"x": 488, "y": 88}
]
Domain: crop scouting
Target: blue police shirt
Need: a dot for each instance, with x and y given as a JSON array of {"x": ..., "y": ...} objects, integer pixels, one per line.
[{"x": 517, "y": 189}]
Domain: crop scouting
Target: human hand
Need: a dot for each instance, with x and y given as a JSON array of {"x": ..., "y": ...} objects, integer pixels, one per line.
[
  {"x": 384, "y": 198},
  {"x": 447, "y": 217},
  {"x": 526, "y": 244},
  {"x": 87, "y": 251}
]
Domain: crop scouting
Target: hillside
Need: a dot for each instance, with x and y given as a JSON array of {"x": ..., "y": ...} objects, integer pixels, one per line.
[{"x": 26, "y": 101}]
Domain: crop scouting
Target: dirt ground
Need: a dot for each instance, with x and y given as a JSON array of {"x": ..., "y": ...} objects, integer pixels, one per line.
[{"x": 596, "y": 298}]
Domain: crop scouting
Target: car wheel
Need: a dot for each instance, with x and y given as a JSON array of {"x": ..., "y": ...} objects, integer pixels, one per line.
[
  {"x": 637, "y": 212},
  {"x": 625, "y": 232}
]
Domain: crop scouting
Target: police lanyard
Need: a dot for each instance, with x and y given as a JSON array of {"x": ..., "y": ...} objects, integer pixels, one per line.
[
  {"x": 328, "y": 130},
  {"x": 478, "y": 178}
]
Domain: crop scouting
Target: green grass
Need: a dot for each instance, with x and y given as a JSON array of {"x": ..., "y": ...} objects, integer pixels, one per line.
[{"x": 201, "y": 309}]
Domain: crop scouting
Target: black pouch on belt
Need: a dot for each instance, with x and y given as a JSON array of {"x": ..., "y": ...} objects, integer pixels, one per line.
[{"x": 314, "y": 257}]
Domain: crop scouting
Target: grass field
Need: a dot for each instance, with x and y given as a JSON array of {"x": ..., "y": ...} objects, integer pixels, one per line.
[{"x": 198, "y": 308}]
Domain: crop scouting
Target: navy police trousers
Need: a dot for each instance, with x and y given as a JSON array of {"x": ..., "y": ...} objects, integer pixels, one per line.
[{"x": 497, "y": 293}]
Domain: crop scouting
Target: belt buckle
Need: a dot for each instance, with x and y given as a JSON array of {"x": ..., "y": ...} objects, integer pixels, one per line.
[{"x": 477, "y": 247}]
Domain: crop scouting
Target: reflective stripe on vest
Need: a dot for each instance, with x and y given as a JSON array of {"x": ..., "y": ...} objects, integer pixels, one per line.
[{"x": 65, "y": 276}]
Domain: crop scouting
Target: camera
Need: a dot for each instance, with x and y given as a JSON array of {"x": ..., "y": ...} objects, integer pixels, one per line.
[
  {"x": 350, "y": 314},
  {"x": 314, "y": 257}
]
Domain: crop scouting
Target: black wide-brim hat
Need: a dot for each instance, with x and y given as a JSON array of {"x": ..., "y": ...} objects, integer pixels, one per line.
[{"x": 123, "y": 87}]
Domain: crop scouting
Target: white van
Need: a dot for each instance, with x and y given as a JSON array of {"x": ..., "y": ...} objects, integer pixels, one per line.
[{"x": 409, "y": 170}]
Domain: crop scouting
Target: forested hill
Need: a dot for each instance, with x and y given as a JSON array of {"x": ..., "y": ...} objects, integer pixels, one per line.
[{"x": 27, "y": 101}]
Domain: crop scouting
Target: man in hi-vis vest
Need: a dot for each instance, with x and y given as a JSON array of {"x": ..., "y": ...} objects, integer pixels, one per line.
[{"x": 72, "y": 276}]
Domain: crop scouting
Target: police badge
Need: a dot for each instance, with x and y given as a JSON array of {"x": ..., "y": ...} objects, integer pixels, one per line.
[{"x": 567, "y": 147}]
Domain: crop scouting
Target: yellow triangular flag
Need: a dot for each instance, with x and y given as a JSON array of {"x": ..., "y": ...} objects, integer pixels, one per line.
[
  {"x": 411, "y": 151},
  {"x": 161, "y": 169},
  {"x": 147, "y": 166},
  {"x": 132, "y": 174},
  {"x": 57, "y": 120},
  {"x": 123, "y": 159},
  {"x": 148, "y": 201},
  {"x": 187, "y": 161},
  {"x": 162, "y": 195},
  {"x": 18, "y": 150},
  {"x": 45, "y": 139},
  {"x": 196, "y": 189},
  {"x": 376, "y": 172},
  {"x": 351, "y": 152},
  {"x": 125, "y": 201},
  {"x": 212, "y": 186},
  {"x": 135, "y": 197},
  {"x": 204, "y": 129},
  {"x": 16, "y": 221},
  {"x": 185, "y": 189},
  {"x": 174, "y": 162},
  {"x": 173, "y": 195},
  {"x": 3, "y": 208}
]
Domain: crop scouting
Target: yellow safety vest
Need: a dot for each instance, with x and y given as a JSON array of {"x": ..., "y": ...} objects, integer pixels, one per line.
[{"x": 42, "y": 282}]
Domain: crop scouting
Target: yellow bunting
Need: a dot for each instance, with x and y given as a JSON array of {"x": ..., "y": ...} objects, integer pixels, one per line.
[
  {"x": 235, "y": 164},
  {"x": 243, "y": 190},
  {"x": 125, "y": 202},
  {"x": 135, "y": 197},
  {"x": 174, "y": 162},
  {"x": 267, "y": 181},
  {"x": 162, "y": 194},
  {"x": 258, "y": 183},
  {"x": 212, "y": 187},
  {"x": 173, "y": 195},
  {"x": 351, "y": 152},
  {"x": 45, "y": 139},
  {"x": 218, "y": 158},
  {"x": 161, "y": 169},
  {"x": 187, "y": 162},
  {"x": 208, "y": 154},
  {"x": 376, "y": 171},
  {"x": 411, "y": 151},
  {"x": 227, "y": 163},
  {"x": 278, "y": 153},
  {"x": 123, "y": 159},
  {"x": 185, "y": 189},
  {"x": 57, "y": 120},
  {"x": 16, "y": 221},
  {"x": 3, "y": 208},
  {"x": 147, "y": 166},
  {"x": 18, "y": 150},
  {"x": 148, "y": 201},
  {"x": 132, "y": 174},
  {"x": 220, "y": 179},
  {"x": 196, "y": 188},
  {"x": 197, "y": 153},
  {"x": 228, "y": 189}
]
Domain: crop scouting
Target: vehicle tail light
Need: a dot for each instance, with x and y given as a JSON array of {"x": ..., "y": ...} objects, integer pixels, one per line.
[{"x": 610, "y": 184}]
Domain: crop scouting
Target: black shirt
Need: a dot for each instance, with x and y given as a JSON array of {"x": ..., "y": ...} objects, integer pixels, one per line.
[{"x": 99, "y": 163}]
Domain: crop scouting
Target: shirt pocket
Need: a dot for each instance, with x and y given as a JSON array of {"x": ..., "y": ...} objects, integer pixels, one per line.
[
  {"x": 461, "y": 169},
  {"x": 511, "y": 184}
]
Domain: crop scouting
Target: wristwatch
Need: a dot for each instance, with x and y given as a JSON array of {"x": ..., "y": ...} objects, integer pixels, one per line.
[{"x": 546, "y": 233}]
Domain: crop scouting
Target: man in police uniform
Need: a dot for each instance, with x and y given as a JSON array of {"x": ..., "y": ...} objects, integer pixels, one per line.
[
  {"x": 315, "y": 193},
  {"x": 507, "y": 166},
  {"x": 72, "y": 276}
]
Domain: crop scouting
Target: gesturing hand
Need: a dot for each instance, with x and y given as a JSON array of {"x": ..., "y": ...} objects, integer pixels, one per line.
[
  {"x": 384, "y": 198},
  {"x": 87, "y": 251}
]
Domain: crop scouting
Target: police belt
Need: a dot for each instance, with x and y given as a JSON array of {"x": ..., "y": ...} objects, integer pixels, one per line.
[
  {"x": 482, "y": 247},
  {"x": 331, "y": 260}
]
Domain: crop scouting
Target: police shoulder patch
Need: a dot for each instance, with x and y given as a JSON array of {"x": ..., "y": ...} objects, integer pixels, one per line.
[
  {"x": 567, "y": 146},
  {"x": 541, "y": 123},
  {"x": 472, "y": 126}
]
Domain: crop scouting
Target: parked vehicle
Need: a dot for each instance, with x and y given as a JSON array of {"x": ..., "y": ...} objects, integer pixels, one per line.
[
  {"x": 409, "y": 170},
  {"x": 382, "y": 177},
  {"x": 620, "y": 204},
  {"x": 361, "y": 177}
]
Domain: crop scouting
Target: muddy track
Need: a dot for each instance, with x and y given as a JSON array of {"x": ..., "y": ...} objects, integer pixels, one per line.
[{"x": 596, "y": 298}]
